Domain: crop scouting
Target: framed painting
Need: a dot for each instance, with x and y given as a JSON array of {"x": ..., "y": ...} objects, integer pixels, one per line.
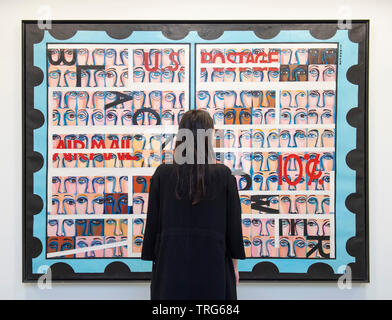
[{"x": 101, "y": 105}]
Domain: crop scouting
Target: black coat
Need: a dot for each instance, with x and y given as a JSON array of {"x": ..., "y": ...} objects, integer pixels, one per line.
[{"x": 192, "y": 246}]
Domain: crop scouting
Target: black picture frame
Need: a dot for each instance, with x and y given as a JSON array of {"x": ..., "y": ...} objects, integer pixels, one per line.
[{"x": 357, "y": 159}]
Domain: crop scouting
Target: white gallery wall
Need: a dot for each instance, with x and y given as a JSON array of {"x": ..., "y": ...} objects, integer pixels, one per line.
[{"x": 380, "y": 142}]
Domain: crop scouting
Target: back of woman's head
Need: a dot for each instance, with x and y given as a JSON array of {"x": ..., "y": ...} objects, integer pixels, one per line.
[{"x": 193, "y": 151}]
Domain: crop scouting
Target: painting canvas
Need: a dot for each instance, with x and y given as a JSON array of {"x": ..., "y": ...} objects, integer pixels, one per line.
[{"x": 101, "y": 106}]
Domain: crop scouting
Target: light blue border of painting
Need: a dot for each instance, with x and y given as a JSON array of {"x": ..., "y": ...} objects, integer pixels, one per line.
[{"x": 347, "y": 98}]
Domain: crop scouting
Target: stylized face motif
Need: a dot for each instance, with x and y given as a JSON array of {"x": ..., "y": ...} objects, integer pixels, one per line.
[
  {"x": 62, "y": 76},
  {"x": 116, "y": 227},
  {"x": 89, "y": 242},
  {"x": 116, "y": 184},
  {"x": 116, "y": 203},
  {"x": 320, "y": 72},
  {"x": 292, "y": 138},
  {"x": 117, "y": 251},
  {"x": 63, "y": 204},
  {"x": 89, "y": 203},
  {"x": 238, "y": 116},
  {"x": 293, "y": 99},
  {"x": 64, "y": 185},
  {"x": 292, "y": 247},
  {"x": 139, "y": 203},
  {"x": 90, "y": 184},
  {"x": 318, "y": 227},
  {"x": 61, "y": 228},
  {"x": 322, "y": 56},
  {"x": 318, "y": 204},
  {"x": 58, "y": 244}
]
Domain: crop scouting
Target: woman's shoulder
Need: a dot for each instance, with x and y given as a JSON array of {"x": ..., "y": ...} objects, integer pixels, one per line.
[{"x": 163, "y": 168}]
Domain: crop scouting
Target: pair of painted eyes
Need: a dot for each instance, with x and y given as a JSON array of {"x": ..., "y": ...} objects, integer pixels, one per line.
[
  {"x": 67, "y": 201},
  {"x": 302, "y": 180},
  {"x": 297, "y": 70},
  {"x": 231, "y": 136},
  {"x": 82, "y": 244},
  {"x": 222, "y": 73},
  {"x": 138, "y": 241},
  {"x": 259, "y": 157},
  {"x": 112, "y": 115},
  {"x": 102, "y": 95},
  {"x": 326, "y": 134},
  {"x": 83, "y": 222},
  {"x": 298, "y": 134},
  {"x": 314, "y": 201},
  {"x": 299, "y": 223},
  {"x": 69, "y": 75},
  {"x": 297, "y": 200},
  {"x": 256, "y": 222},
  {"x": 112, "y": 221},
  {"x": 259, "y": 113},
  {"x": 257, "y": 242},
  {"x": 84, "y": 200},
  {"x": 259, "y": 178},
  {"x": 230, "y": 115},
  {"x": 313, "y": 244},
  {"x": 103, "y": 74},
  {"x": 165, "y": 73},
  {"x": 299, "y": 116},
  {"x": 111, "y": 200},
  {"x": 313, "y": 223},
  {"x": 222, "y": 94},
  {"x": 95, "y": 180},
  {"x": 69, "y": 180},
  {"x": 83, "y": 115},
  {"x": 315, "y": 72},
  {"x": 57, "y": 51},
  {"x": 257, "y": 94},
  {"x": 316, "y": 94},
  {"x": 298, "y": 243},
  {"x": 251, "y": 72},
  {"x": 110, "y": 53},
  {"x": 325, "y": 115},
  {"x": 138, "y": 200},
  {"x": 112, "y": 137},
  {"x": 65, "y": 246},
  {"x": 203, "y": 95},
  {"x": 73, "y": 95},
  {"x": 68, "y": 222},
  {"x": 286, "y": 94}
]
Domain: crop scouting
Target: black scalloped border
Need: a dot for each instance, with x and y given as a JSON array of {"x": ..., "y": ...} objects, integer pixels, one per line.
[{"x": 357, "y": 159}]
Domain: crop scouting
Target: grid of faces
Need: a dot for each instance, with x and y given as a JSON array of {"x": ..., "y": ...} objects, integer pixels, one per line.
[
  {"x": 286, "y": 137},
  {"x": 298, "y": 107},
  {"x": 297, "y": 238},
  {"x": 267, "y": 64},
  {"x": 102, "y": 97},
  {"x": 274, "y": 110},
  {"x": 91, "y": 197},
  {"x": 110, "y": 108},
  {"x": 104, "y": 238}
]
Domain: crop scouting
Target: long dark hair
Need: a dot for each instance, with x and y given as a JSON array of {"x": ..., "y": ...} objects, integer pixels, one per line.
[{"x": 191, "y": 176}]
